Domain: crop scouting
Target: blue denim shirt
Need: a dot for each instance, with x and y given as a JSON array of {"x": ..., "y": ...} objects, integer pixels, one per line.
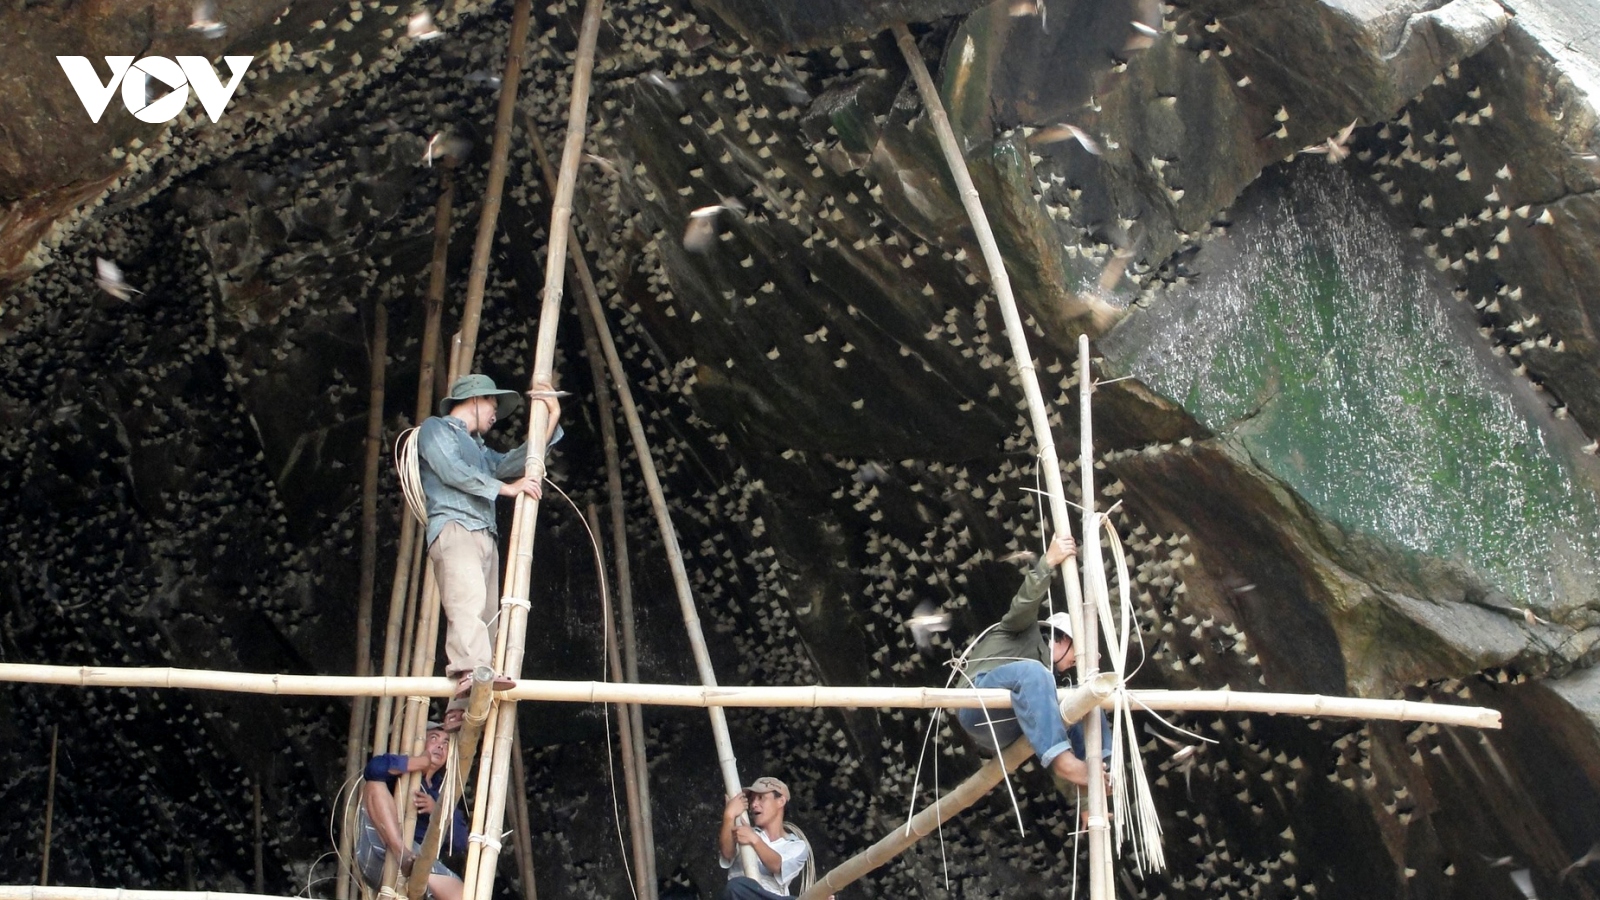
[{"x": 461, "y": 475}]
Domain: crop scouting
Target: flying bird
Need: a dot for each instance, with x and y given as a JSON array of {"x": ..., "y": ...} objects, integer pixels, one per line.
[
  {"x": 600, "y": 162},
  {"x": 661, "y": 81},
  {"x": 1592, "y": 856},
  {"x": 927, "y": 621},
  {"x": 420, "y": 26},
  {"x": 1144, "y": 36},
  {"x": 1523, "y": 879},
  {"x": 447, "y": 148},
  {"x": 1062, "y": 132},
  {"x": 701, "y": 230},
  {"x": 108, "y": 277},
  {"x": 1337, "y": 147},
  {"x": 205, "y": 23},
  {"x": 1021, "y": 556}
]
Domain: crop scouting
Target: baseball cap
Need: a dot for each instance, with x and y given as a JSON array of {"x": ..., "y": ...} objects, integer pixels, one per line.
[
  {"x": 766, "y": 784},
  {"x": 1059, "y": 622}
]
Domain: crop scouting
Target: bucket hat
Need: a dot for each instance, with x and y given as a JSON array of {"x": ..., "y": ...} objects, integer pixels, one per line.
[{"x": 468, "y": 386}]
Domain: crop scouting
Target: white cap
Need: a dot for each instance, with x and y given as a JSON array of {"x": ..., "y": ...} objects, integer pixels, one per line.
[{"x": 1060, "y": 622}]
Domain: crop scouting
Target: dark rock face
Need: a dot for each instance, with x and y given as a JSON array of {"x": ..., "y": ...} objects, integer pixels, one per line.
[{"x": 1349, "y": 452}]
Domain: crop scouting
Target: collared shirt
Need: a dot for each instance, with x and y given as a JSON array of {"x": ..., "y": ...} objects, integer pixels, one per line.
[
  {"x": 461, "y": 475},
  {"x": 791, "y": 849}
]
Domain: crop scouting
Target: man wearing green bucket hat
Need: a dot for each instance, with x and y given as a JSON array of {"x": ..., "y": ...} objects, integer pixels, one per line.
[{"x": 461, "y": 477}]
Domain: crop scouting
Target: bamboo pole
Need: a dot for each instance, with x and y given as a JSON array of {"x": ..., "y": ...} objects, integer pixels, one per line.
[
  {"x": 413, "y": 732},
  {"x": 520, "y": 821},
  {"x": 49, "y": 807},
  {"x": 1088, "y": 640},
  {"x": 772, "y": 696},
  {"x": 261, "y": 872},
  {"x": 1074, "y": 705},
  {"x": 630, "y": 773},
  {"x": 478, "y": 274},
  {"x": 361, "y": 709},
  {"x": 464, "y": 745},
  {"x": 408, "y": 557},
  {"x": 10, "y": 892},
  {"x": 490, "y": 809},
  {"x": 634, "y": 743},
  {"x": 680, "y": 576},
  {"x": 1039, "y": 416},
  {"x": 405, "y": 603}
]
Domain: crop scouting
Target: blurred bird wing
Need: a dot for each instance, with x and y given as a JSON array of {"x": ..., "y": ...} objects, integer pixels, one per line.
[
  {"x": 701, "y": 232},
  {"x": 1523, "y": 879}
]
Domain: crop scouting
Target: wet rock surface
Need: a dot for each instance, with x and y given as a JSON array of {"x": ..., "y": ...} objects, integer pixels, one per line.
[{"x": 1349, "y": 457}]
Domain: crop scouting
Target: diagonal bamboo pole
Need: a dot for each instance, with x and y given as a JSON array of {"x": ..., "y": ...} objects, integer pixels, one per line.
[
  {"x": 361, "y": 709},
  {"x": 490, "y": 809},
  {"x": 727, "y": 764},
  {"x": 1074, "y": 705},
  {"x": 413, "y": 733},
  {"x": 1039, "y": 415},
  {"x": 644, "y": 860},
  {"x": 630, "y": 773},
  {"x": 520, "y": 820},
  {"x": 49, "y": 808},
  {"x": 478, "y": 274},
  {"x": 464, "y": 746}
]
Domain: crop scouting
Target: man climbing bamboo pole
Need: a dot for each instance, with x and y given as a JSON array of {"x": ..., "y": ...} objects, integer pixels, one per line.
[
  {"x": 490, "y": 812},
  {"x": 1038, "y": 413}
]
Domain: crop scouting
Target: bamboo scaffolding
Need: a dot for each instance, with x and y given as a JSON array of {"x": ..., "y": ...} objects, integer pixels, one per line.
[
  {"x": 1088, "y": 640},
  {"x": 630, "y": 773},
  {"x": 494, "y": 774},
  {"x": 619, "y": 529},
  {"x": 413, "y": 731},
  {"x": 1075, "y": 704},
  {"x": 361, "y": 709},
  {"x": 478, "y": 274},
  {"x": 520, "y": 821},
  {"x": 773, "y": 696},
  {"x": 49, "y": 808}
]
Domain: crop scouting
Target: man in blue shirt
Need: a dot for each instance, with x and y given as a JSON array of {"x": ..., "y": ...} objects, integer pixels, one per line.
[
  {"x": 378, "y": 824},
  {"x": 462, "y": 477}
]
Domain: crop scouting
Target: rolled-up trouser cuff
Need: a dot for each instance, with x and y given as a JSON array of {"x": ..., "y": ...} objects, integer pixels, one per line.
[{"x": 1049, "y": 756}]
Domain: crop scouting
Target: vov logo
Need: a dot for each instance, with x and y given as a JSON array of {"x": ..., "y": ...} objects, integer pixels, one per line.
[{"x": 187, "y": 72}]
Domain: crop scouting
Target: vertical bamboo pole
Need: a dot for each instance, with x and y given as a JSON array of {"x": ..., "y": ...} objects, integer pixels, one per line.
[
  {"x": 520, "y": 820},
  {"x": 49, "y": 808},
  {"x": 261, "y": 873},
  {"x": 361, "y": 707},
  {"x": 408, "y": 555},
  {"x": 1088, "y": 641},
  {"x": 478, "y": 274},
  {"x": 490, "y": 812},
  {"x": 630, "y": 772},
  {"x": 463, "y": 746},
  {"x": 413, "y": 731},
  {"x": 1038, "y": 413}
]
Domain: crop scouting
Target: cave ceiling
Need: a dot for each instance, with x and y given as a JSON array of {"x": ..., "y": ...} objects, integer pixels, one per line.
[{"x": 1347, "y": 412}]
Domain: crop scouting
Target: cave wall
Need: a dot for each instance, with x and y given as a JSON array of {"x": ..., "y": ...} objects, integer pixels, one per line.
[{"x": 830, "y": 399}]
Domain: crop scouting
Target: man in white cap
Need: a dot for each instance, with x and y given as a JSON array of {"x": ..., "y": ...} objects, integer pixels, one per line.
[
  {"x": 1017, "y": 654},
  {"x": 781, "y": 850},
  {"x": 378, "y": 823},
  {"x": 462, "y": 477}
]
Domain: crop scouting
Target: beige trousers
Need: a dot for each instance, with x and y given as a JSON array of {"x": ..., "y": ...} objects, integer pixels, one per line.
[{"x": 467, "y": 566}]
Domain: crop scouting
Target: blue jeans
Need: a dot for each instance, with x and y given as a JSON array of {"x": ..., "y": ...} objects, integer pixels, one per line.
[
  {"x": 1034, "y": 713},
  {"x": 742, "y": 888}
]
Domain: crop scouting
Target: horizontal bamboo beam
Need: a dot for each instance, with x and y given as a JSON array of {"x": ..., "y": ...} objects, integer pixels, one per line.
[
  {"x": 758, "y": 696},
  {"x": 52, "y": 892}
]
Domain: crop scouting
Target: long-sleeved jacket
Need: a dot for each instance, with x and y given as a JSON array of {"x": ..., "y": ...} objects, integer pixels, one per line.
[
  {"x": 388, "y": 767},
  {"x": 1016, "y": 636},
  {"x": 461, "y": 475}
]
